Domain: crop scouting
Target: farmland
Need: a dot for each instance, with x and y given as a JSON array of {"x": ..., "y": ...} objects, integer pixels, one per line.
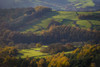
[{"x": 64, "y": 18}]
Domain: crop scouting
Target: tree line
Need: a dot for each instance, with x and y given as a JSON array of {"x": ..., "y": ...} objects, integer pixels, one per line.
[
  {"x": 57, "y": 47},
  {"x": 55, "y": 34},
  {"x": 86, "y": 56}
]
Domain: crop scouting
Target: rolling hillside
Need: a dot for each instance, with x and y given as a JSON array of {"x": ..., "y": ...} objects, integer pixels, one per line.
[
  {"x": 63, "y": 17},
  {"x": 41, "y": 18},
  {"x": 68, "y": 5}
]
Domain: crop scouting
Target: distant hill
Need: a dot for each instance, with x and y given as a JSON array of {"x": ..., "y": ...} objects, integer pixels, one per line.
[
  {"x": 63, "y": 18},
  {"x": 41, "y": 18},
  {"x": 68, "y": 5}
]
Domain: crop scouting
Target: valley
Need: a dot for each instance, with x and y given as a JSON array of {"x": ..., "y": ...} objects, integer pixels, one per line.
[{"x": 45, "y": 37}]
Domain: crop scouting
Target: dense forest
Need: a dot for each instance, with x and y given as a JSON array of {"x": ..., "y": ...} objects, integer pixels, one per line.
[
  {"x": 53, "y": 35},
  {"x": 86, "y": 56}
]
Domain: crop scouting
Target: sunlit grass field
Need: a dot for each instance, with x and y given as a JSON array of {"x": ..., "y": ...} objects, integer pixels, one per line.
[
  {"x": 34, "y": 52},
  {"x": 83, "y": 24}
]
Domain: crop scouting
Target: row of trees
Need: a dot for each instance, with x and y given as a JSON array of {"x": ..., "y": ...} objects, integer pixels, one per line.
[
  {"x": 89, "y": 17},
  {"x": 69, "y": 34},
  {"x": 55, "y": 34}
]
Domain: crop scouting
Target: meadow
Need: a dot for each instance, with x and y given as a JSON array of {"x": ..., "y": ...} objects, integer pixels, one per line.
[
  {"x": 65, "y": 18},
  {"x": 35, "y": 52}
]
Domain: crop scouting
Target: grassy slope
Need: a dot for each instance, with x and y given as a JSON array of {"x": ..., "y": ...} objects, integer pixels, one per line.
[
  {"x": 34, "y": 52},
  {"x": 31, "y": 52},
  {"x": 64, "y": 17},
  {"x": 82, "y": 3}
]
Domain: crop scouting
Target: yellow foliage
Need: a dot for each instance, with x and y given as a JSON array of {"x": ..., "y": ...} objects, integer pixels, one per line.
[
  {"x": 87, "y": 50},
  {"x": 38, "y": 45},
  {"x": 92, "y": 65},
  {"x": 84, "y": 51},
  {"x": 58, "y": 60},
  {"x": 76, "y": 50},
  {"x": 40, "y": 63}
]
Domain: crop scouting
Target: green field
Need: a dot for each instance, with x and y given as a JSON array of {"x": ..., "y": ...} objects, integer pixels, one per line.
[
  {"x": 63, "y": 17},
  {"x": 82, "y": 3},
  {"x": 74, "y": 3},
  {"x": 83, "y": 24},
  {"x": 34, "y": 52}
]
